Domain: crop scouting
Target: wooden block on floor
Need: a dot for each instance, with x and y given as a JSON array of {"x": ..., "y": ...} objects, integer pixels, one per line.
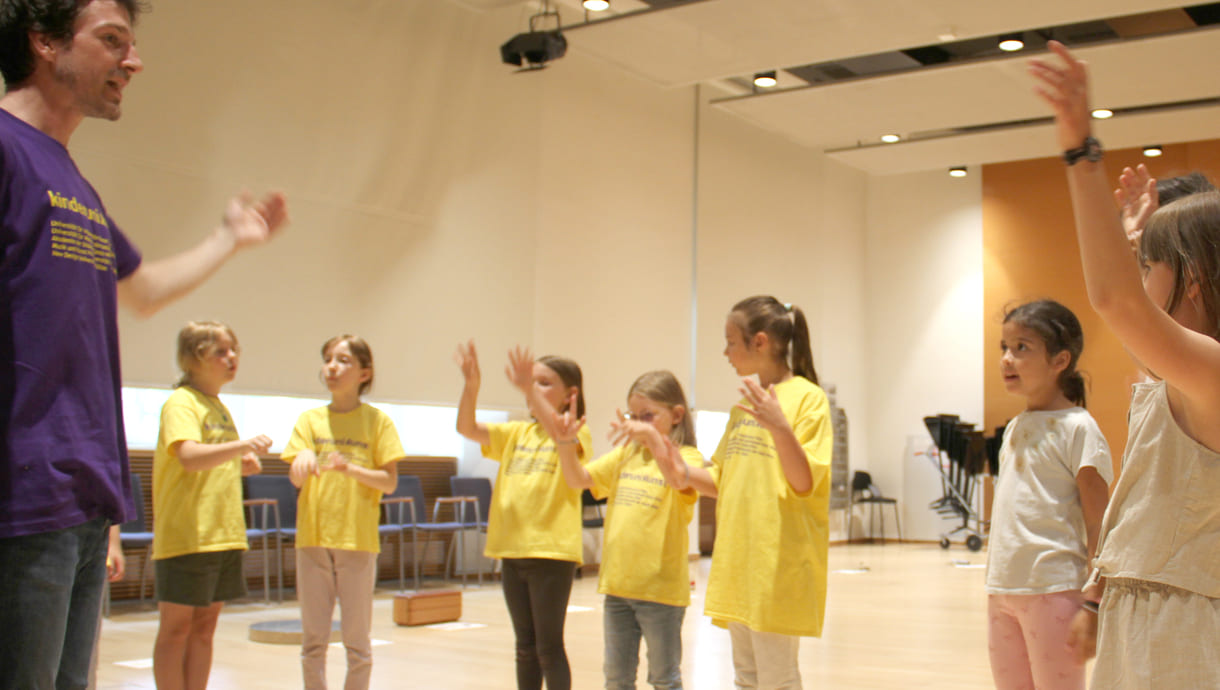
[{"x": 422, "y": 608}]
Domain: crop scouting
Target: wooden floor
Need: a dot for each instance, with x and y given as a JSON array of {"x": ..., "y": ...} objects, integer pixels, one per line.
[{"x": 898, "y": 616}]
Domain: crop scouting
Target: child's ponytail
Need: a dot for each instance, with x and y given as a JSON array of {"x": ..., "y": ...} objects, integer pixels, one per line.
[
  {"x": 785, "y": 325},
  {"x": 802, "y": 349}
]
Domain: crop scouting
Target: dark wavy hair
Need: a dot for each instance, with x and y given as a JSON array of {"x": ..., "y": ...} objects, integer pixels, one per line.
[
  {"x": 1174, "y": 188},
  {"x": 1060, "y": 330},
  {"x": 54, "y": 17}
]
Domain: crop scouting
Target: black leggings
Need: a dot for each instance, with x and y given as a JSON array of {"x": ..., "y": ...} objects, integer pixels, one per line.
[{"x": 536, "y": 591}]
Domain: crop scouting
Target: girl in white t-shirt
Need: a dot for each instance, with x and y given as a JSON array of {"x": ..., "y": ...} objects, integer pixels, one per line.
[
  {"x": 644, "y": 571},
  {"x": 1050, "y": 496},
  {"x": 344, "y": 457},
  {"x": 1157, "y": 564}
]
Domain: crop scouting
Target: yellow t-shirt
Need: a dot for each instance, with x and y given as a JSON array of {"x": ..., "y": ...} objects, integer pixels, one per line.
[
  {"x": 195, "y": 512},
  {"x": 534, "y": 513},
  {"x": 335, "y": 511},
  {"x": 644, "y": 555},
  {"x": 769, "y": 563}
]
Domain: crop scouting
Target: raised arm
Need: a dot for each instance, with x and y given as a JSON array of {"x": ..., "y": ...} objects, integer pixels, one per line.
[
  {"x": 197, "y": 457},
  {"x": 467, "y": 359},
  {"x": 246, "y": 223},
  {"x": 1188, "y": 360}
]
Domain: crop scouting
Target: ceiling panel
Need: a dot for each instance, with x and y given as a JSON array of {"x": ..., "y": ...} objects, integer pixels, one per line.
[
  {"x": 723, "y": 38},
  {"x": 1031, "y": 142},
  {"x": 996, "y": 91}
]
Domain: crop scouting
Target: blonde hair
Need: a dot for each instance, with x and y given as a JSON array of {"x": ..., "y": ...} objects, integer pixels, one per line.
[
  {"x": 194, "y": 341},
  {"x": 662, "y": 387},
  {"x": 360, "y": 350}
]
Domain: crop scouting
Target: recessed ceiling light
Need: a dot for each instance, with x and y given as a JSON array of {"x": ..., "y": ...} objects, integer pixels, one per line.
[
  {"x": 596, "y": 5},
  {"x": 890, "y": 138},
  {"x": 1103, "y": 114},
  {"x": 1153, "y": 151},
  {"x": 958, "y": 171},
  {"x": 1011, "y": 42},
  {"x": 765, "y": 80}
]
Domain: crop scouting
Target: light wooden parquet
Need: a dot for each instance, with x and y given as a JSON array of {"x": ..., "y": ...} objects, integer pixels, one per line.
[{"x": 911, "y": 620}]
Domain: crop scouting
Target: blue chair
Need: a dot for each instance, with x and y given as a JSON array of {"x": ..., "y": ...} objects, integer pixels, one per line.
[
  {"x": 257, "y": 513},
  {"x": 134, "y": 535},
  {"x": 462, "y": 506},
  {"x": 283, "y": 513},
  {"x": 399, "y": 513},
  {"x": 480, "y": 489}
]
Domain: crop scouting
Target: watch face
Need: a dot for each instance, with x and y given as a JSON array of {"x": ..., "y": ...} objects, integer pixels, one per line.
[{"x": 1092, "y": 150}]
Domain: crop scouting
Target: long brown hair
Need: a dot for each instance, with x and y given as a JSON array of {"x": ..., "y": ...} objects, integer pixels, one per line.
[
  {"x": 785, "y": 326},
  {"x": 569, "y": 373},
  {"x": 1185, "y": 236},
  {"x": 662, "y": 387}
]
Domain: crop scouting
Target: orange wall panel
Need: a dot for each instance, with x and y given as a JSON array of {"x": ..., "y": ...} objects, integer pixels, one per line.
[{"x": 1030, "y": 252}]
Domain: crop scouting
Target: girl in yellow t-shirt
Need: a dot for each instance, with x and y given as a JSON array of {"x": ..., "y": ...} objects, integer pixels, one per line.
[
  {"x": 644, "y": 572},
  {"x": 344, "y": 457},
  {"x": 771, "y": 472},
  {"x": 534, "y": 526},
  {"x": 199, "y": 532}
]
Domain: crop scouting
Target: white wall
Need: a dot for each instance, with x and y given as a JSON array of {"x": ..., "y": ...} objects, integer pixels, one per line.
[
  {"x": 437, "y": 196},
  {"x": 924, "y": 300}
]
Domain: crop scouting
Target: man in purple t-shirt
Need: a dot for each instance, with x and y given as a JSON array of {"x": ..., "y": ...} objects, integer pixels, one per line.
[{"x": 64, "y": 268}]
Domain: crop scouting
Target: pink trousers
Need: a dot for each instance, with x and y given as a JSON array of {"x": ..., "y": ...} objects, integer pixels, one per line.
[{"x": 1028, "y": 641}]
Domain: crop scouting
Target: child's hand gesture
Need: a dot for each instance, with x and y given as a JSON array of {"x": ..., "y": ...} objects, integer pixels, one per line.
[
  {"x": 672, "y": 466},
  {"x": 468, "y": 361},
  {"x": 1137, "y": 199},
  {"x": 1065, "y": 89},
  {"x": 520, "y": 369},
  {"x": 566, "y": 425},
  {"x": 250, "y": 221},
  {"x": 303, "y": 467},
  {"x": 763, "y": 404},
  {"x": 250, "y": 464},
  {"x": 337, "y": 462},
  {"x": 624, "y": 430},
  {"x": 258, "y": 445}
]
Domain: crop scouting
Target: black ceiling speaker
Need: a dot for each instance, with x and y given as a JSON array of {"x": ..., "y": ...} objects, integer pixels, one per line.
[{"x": 535, "y": 48}]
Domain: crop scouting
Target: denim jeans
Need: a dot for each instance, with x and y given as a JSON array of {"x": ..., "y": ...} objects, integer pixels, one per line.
[
  {"x": 50, "y": 601},
  {"x": 661, "y": 626}
]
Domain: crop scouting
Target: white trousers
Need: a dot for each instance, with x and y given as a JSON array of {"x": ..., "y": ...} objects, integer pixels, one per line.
[{"x": 766, "y": 661}]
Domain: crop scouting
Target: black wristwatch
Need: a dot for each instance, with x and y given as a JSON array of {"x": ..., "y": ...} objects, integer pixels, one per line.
[{"x": 1090, "y": 151}]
